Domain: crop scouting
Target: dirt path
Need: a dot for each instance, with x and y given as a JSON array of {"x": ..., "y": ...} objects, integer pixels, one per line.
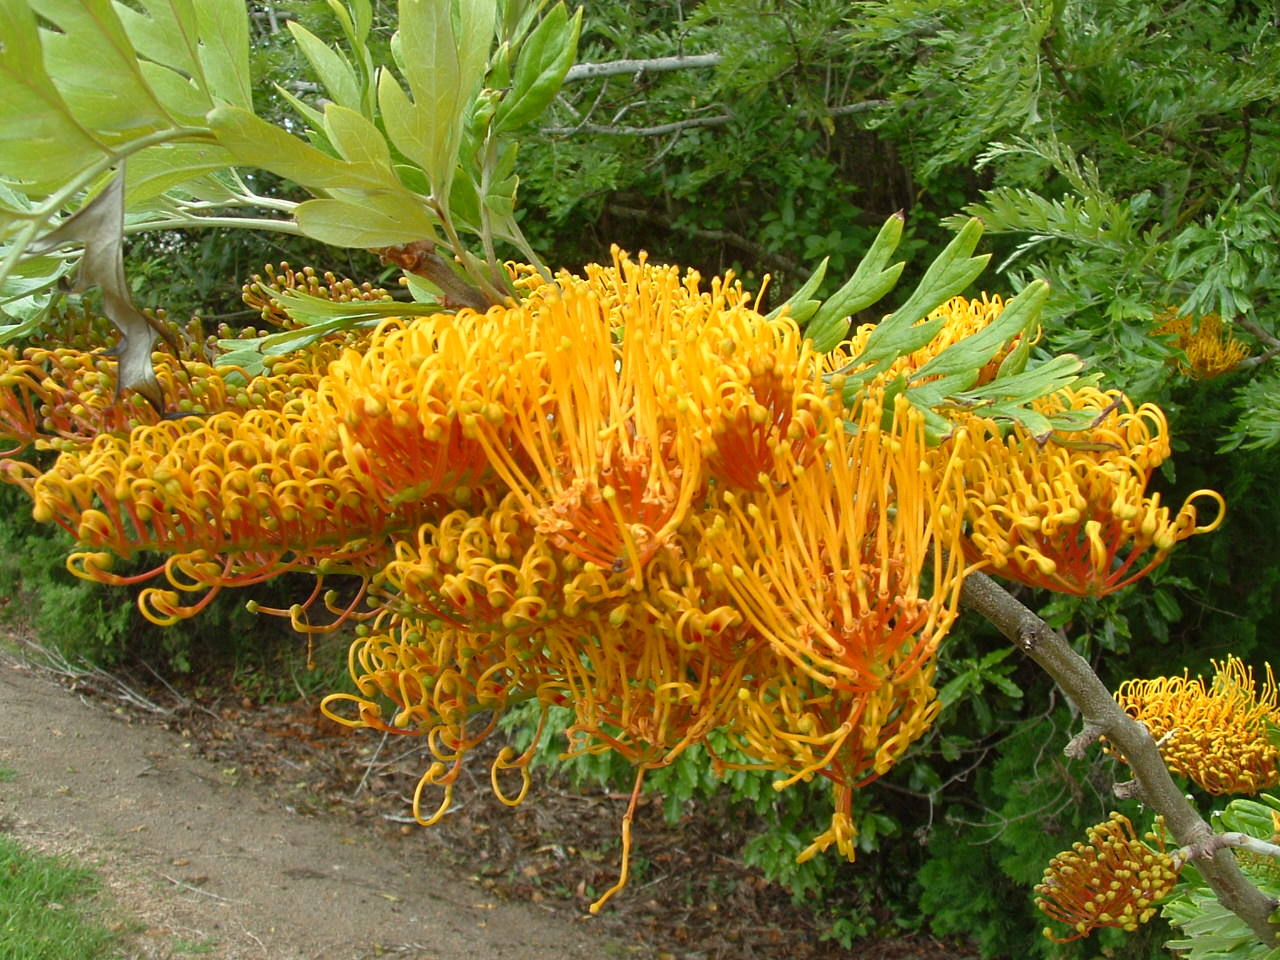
[{"x": 219, "y": 867}]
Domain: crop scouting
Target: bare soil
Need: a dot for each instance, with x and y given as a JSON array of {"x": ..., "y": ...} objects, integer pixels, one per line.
[{"x": 232, "y": 830}]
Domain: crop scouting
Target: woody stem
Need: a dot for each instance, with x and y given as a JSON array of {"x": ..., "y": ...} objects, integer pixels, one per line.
[{"x": 1104, "y": 717}]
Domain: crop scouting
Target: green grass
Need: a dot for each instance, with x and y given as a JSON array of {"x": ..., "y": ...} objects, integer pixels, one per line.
[{"x": 47, "y": 908}]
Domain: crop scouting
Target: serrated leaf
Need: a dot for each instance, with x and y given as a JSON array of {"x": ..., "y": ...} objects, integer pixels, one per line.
[
  {"x": 948, "y": 275},
  {"x": 972, "y": 353},
  {"x": 901, "y": 332},
  {"x": 804, "y": 294}
]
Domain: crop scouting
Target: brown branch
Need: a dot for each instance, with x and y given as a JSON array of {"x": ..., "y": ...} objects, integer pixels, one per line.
[
  {"x": 1104, "y": 717},
  {"x": 422, "y": 259},
  {"x": 1059, "y": 75}
]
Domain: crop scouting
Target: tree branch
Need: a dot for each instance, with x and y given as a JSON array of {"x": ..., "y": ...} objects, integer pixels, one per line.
[
  {"x": 718, "y": 120},
  {"x": 1104, "y": 717},
  {"x": 656, "y": 131},
  {"x": 613, "y": 68}
]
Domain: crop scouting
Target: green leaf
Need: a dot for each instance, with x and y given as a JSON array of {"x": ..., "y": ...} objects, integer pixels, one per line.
[
  {"x": 443, "y": 70},
  {"x": 224, "y": 51},
  {"x": 544, "y": 59},
  {"x": 802, "y": 300},
  {"x": 948, "y": 275},
  {"x": 97, "y": 68},
  {"x": 41, "y": 143},
  {"x": 901, "y": 333},
  {"x": 309, "y": 310},
  {"x": 255, "y": 142},
  {"x": 870, "y": 282},
  {"x": 166, "y": 34},
  {"x": 375, "y": 221},
  {"x": 29, "y": 312},
  {"x": 250, "y": 354},
  {"x": 332, "y": 68},
  {"x": 971, "y": 354},
  {"x": 356, "y": 138},
  {"x": 158, "y": 169}
]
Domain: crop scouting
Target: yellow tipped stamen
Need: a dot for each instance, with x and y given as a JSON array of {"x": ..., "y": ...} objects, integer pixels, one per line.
[
  {"x": 1209, "y": 347},
  {"x": 1072, "y": 514},
  {"x": 1214, "y": 734},
  {"x": 1114, "y": 880}
]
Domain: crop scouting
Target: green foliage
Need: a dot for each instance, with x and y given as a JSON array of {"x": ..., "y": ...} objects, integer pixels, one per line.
[
  {"x": 1130, "y": 153},
  {"x": 1208, "y": 930},
  {"x": 79, "y": 618},
  {"x": 154, "y": 118},
  {"x": 47, "y": 908},
  {"x": 1259, "y": 423},
  {"x": 1034, "y": 803}
]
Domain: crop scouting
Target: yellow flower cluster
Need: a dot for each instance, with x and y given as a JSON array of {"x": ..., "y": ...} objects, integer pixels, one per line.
[
  {"x": 1210, "y": 348},
  {"x": 1214, "y": 734},
  {"x": 1070, "y": 511},
  {"x": 1114, "y": 880},
  {"x": 262, "y": 294},
  {"x": 625, "y": 494}
]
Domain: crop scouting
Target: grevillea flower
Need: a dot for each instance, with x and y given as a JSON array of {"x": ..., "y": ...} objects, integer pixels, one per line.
[
  {"x": 63, "y": 399},
  {"x": 1113, "y": 880},
  {"x": 234, "y": 499},
  {"x": 1209, "y": 347},
  {"x": 263, "y": 294},
  {"x": 831, "y": 573},
  {"x": 627, "y": 493},
  {"x": 1216, "y": 734},
  {"x": 750, "y": 390},
  {"x": 479, "y": 570},
  {"x": 1070, "y": 512},
  {"x": 597, "y": 459}
]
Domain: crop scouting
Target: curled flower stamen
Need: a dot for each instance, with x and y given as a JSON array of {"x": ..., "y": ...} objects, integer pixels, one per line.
[
  {"x": 1072, "y": 514},
  {"x": 1113, "y": 880},
  {"x": 1216, "y": 734}
]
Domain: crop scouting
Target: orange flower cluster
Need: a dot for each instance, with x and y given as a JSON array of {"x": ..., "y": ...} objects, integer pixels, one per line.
[
  {"x": 659, "y": 530},
  {"x": 1215, "y": 734},
  {"x": 624, "y": 494},
  {"x": 1070, "y": 511},
  {"x": 1114, "y": 880},
  {"x": 1210, "y": 348}
]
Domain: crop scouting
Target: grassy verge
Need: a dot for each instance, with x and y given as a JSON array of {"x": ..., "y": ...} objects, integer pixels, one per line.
[{"x": 48, "y": 906}]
